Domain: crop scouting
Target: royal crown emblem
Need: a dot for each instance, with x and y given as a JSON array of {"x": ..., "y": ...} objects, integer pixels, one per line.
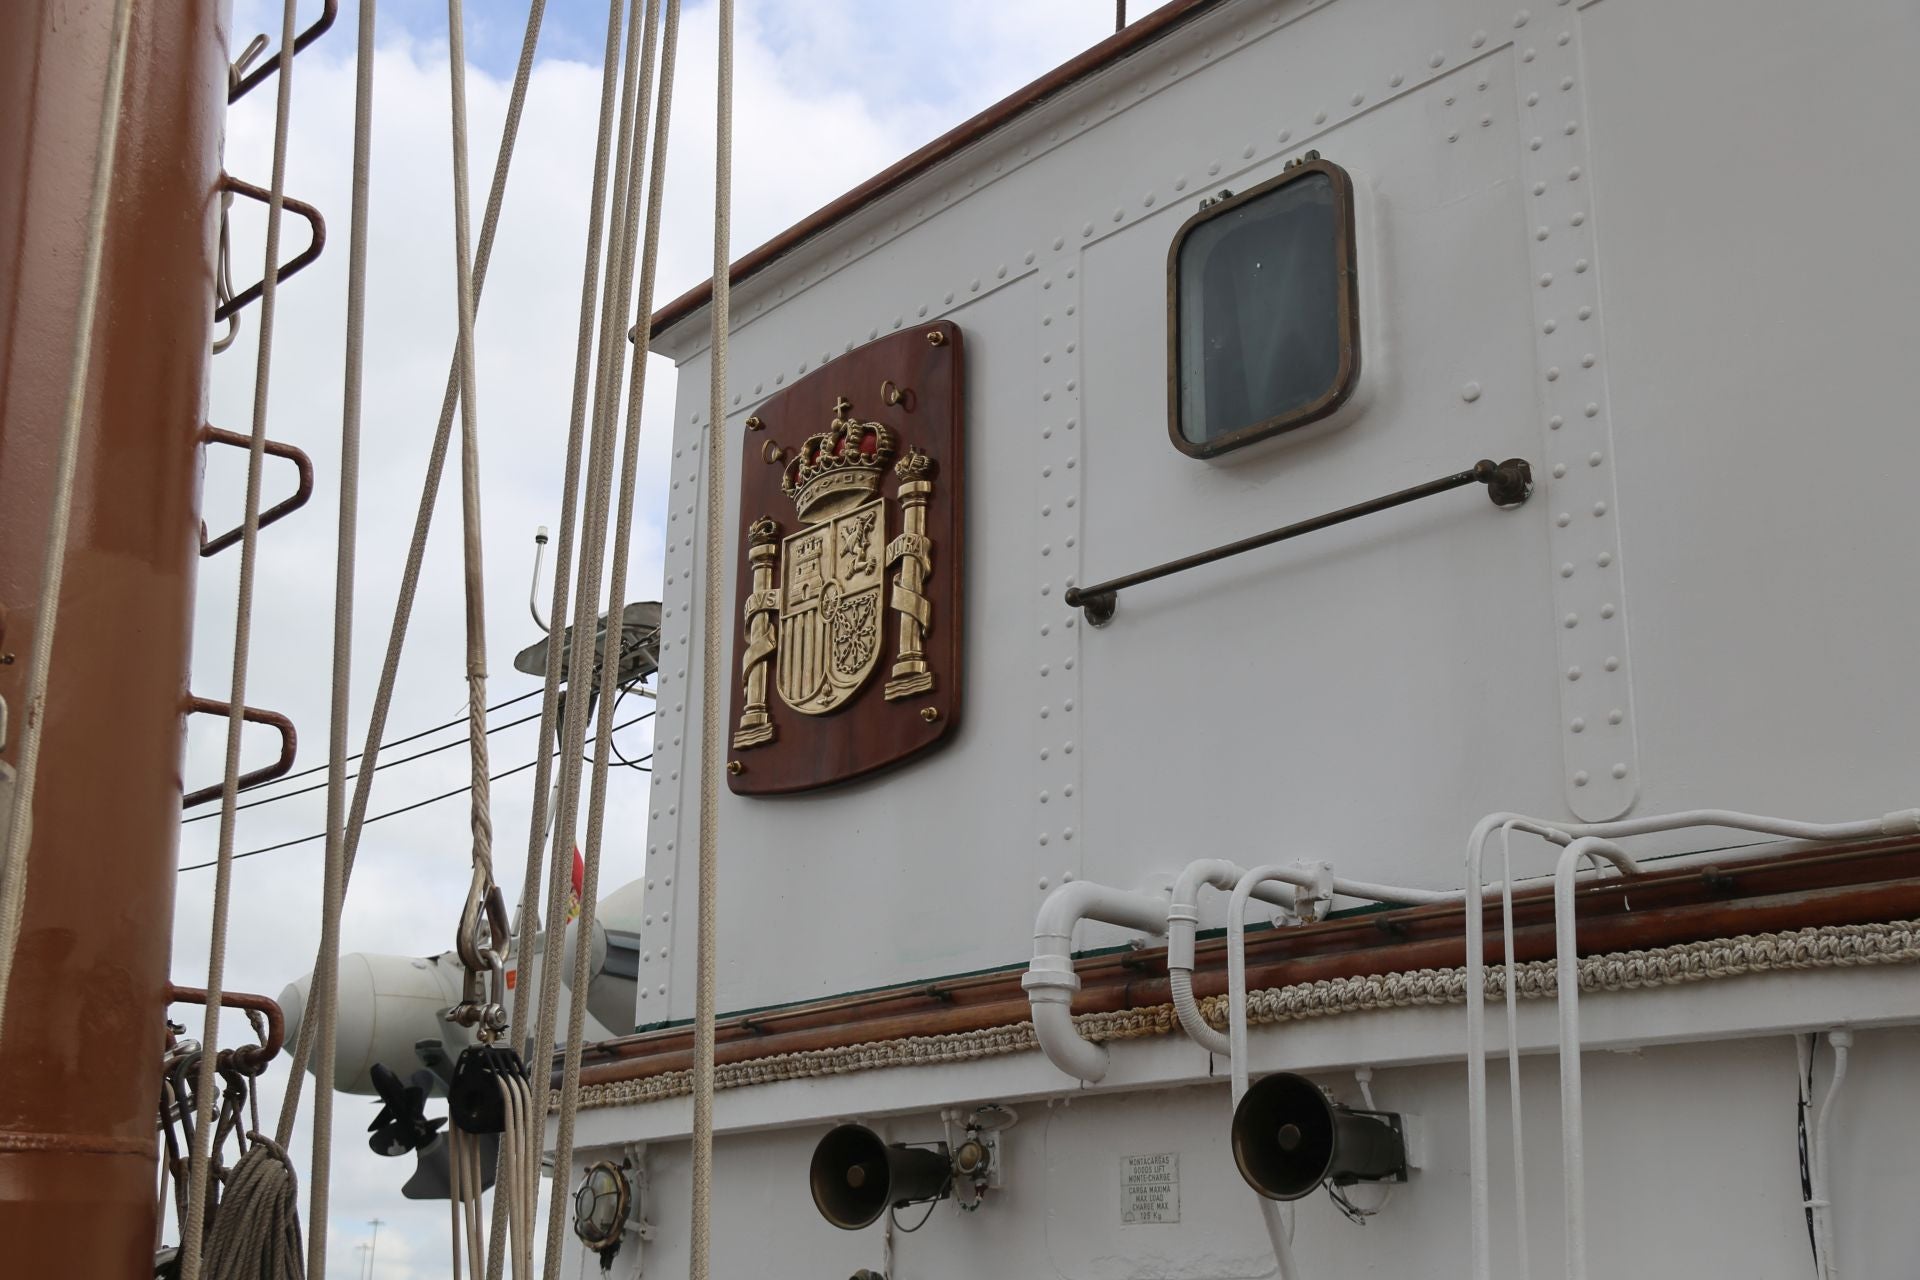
[
  {"x": 838, "y": 468},
  {"x": 852, "y": 585}
]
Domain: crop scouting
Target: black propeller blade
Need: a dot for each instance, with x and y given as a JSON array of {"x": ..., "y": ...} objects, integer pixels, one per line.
[{"x": 402, "y": 1124}]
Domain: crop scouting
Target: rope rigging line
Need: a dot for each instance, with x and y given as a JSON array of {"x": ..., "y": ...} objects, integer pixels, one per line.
[
  {"x": 193, "y": 1226},
  {"x": 484, "y": 965},
  {"x": 417, "y": 546},
  {"x": 712, "y": 739},
  {"x": 543, "y": 786},
  {"x": 622, "y": 543},
  {"x": 409, "y": 808},
  {"x": 459, "y": 723},
  {"x": 616, "y": 297},
  {"x": 19, "y": 828},
  {"x": 324, "y": 995}
]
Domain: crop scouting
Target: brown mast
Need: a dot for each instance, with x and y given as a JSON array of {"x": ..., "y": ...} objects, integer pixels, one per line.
[{"x": 79, "y": 1077}]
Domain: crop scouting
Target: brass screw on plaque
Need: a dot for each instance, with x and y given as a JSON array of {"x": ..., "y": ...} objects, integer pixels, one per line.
[
  {"x": 929, "y": 714},
  {"x": 735, "y": 767},
  {"x": 754, "y": 423},
  {"x": 935, "y": 338}
]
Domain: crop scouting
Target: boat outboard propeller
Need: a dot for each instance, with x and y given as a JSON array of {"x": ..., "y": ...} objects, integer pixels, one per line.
[
  {"x": 474, "y": 1099},
  {"x": 402, "y": 1124},
  {"x": 433, "y": 1168}
]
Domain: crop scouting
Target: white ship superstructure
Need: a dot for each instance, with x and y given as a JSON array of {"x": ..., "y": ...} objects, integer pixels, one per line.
[{"x": 1658, "y": 253}]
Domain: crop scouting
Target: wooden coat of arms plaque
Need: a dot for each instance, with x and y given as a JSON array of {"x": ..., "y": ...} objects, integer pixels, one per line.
[{"x": 848, "y": 606}]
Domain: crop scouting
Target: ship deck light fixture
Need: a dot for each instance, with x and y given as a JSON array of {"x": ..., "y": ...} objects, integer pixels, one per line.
[{"x": 605, "y": 1207}]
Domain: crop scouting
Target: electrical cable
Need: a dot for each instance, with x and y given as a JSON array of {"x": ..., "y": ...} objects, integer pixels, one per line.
[
  {"x": 401, "y": 742},
  {"x": 384, "y": 764},
  {"x": 932, "y": 1204},
  {"x": 1804, "y": 1048},
  {"x": 391, "y": 813},
  {"x": 625, "y": 689}
]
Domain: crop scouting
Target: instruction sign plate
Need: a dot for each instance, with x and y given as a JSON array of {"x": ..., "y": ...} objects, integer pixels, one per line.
[{"x": 1150, "y": 1188}]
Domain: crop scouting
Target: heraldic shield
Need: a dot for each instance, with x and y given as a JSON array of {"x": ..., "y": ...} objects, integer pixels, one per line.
[
  {"x": 848, "y": 647},
  {"x": 830, "y": 609}
]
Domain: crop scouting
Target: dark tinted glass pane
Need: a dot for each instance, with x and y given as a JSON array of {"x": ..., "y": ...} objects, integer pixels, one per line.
[{"x": 1259, "y": 309}]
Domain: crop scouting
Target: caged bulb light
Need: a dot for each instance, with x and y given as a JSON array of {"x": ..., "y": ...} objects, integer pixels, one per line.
[{"x": 600, "y": 1209}]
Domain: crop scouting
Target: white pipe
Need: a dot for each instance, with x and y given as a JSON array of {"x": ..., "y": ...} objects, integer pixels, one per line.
[
  {"x": 1567, "y": 996},
  {"x": 1514, "y": 1107},
  {"x": 1050, "y": 980},
  {"x": 1842, "y": 1041},
  {"x": 1477, "y": 1162},
  {"x": 1304, "y": 878},
  {"x": 1237, "y": 942},
  {"x": 1280, "y": 1234},
  {"x": 1183, "y": 922},
  {"x": 1903, "y": 822}
]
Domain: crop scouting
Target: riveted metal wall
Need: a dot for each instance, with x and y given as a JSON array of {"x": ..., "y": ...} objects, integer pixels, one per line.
[{"x": 79, "y": 1067}]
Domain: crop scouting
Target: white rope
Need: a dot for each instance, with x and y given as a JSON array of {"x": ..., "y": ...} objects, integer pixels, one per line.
[
  {"x": 529, "y": 920},
  {"x": 19, "y": 831},
  {"x": 1822, "y": 947},
  {"x": 472, "y": 542},
  {"x": 517, "y": 1186},
  {"x": 712, "y": 740},
  {"x": 463, "y": 1199},
  {"x": 616, "y": 603},
  {"x": 416, "y": 550},
  {"x": 324, "y": 996},
  {"x": 190, "y": 1242},
  {"x": 616, "y": 297}
]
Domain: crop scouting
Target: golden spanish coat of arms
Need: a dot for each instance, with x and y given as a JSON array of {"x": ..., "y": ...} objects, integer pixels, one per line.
[{"x": 848, "y": 648}]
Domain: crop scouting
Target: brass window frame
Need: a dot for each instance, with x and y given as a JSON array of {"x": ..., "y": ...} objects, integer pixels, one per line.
[{"x": 1347, "y": 375}]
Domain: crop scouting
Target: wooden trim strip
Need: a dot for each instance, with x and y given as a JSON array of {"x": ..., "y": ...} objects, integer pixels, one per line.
[
  {"x": 1134, "y": 37},
  {"x": 1855, "y": 884}
]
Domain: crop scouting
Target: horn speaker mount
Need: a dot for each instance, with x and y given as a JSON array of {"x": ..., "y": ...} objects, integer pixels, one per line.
[
  {"x": 1289, "y": 1137},
  {"x": 856, "y": 1176}
]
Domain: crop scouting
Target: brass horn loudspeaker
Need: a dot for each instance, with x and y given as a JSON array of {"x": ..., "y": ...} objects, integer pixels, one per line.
[
  {"x": 1289, "y": 1137},
  {"x": 856, "y": 1176}
]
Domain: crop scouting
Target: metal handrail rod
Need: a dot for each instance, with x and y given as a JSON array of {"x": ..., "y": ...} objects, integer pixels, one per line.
[{"x": 1508, "y": 483}]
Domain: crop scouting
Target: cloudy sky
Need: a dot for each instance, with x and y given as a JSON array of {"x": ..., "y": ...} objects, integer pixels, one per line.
[{"x": 827, "y": 92}]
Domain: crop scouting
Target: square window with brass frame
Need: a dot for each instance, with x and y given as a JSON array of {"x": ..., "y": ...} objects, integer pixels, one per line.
[{"x": 1263, "y": 315}]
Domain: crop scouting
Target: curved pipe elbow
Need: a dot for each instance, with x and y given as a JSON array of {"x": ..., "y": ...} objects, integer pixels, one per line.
[
  {"x": 1080, "y": 900},
  {"x": 1061, "y": 1041},
  {"x": 1050, "y": 980},
  {"x": 1191, "y": 1020}
]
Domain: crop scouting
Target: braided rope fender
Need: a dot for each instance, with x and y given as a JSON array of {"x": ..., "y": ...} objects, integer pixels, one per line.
[{"x": 1827, "y": 947}]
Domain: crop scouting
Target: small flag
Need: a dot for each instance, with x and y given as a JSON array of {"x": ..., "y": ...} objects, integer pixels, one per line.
[{"x": 579, "y": 879}]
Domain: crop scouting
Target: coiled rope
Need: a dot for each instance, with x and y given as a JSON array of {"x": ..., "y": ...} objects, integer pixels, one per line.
[
  {"x": 19, "y": 829},
  {"x": 191, "y": 1229},
  {"x": 256, "y": 1234},
  {"x": 712, "y": 739}
]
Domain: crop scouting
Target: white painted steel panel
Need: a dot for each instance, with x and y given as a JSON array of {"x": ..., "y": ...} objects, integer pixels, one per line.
[
  {"x": 1662, "y": 253},
  {"x": 1692, "y": 1146}
]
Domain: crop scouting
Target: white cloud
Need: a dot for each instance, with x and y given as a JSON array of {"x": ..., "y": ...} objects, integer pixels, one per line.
[{"x": 828, "y": 92}]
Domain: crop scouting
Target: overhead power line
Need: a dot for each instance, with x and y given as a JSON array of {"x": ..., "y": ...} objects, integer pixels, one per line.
[
  {"x": 412, "y": 737},
  {"x": 394, "y": 813},
  {"x": 384, "y": 764}
]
